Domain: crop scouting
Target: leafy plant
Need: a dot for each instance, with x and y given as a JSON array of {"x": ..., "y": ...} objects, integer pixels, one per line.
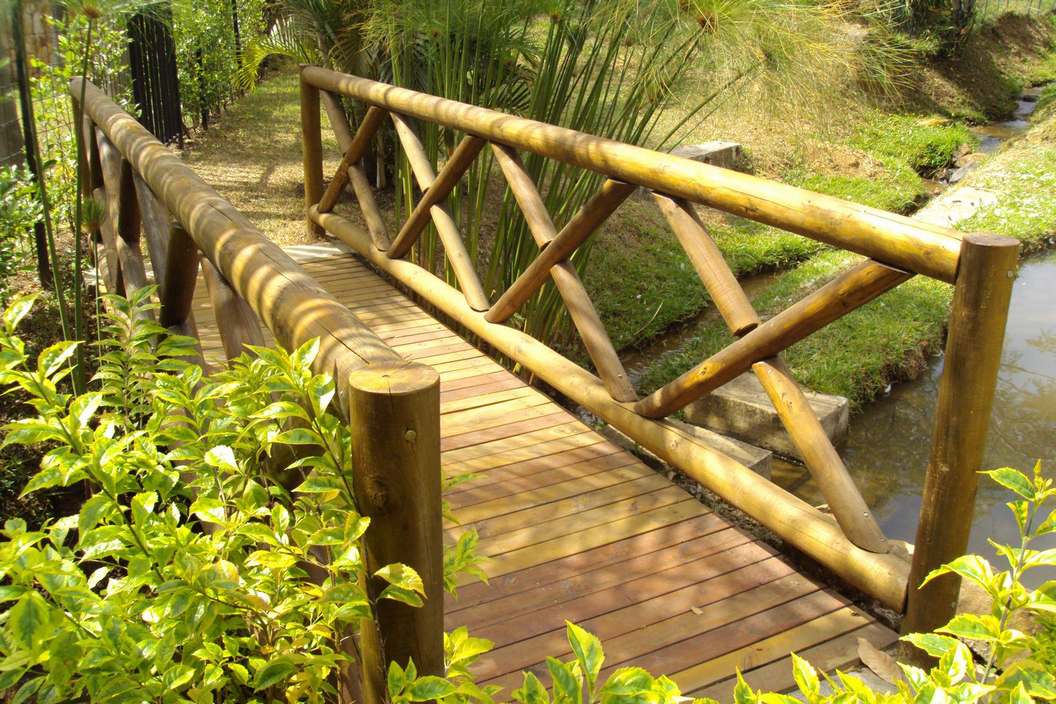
[
  {"x": 192, "y": 573},
  {"x": 19, "y": 212}
]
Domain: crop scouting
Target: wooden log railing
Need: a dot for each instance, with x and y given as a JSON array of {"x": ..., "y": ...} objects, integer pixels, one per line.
[
  {"x": 392, "y": 404},
  {"x": 895, "y": 248}
]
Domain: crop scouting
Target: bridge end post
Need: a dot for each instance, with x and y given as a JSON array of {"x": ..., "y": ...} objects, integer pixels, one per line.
[
  {"x": 983, "y": 289},
  {"x": 312, "y": 146},
  {"x": 394, "y": 416}
]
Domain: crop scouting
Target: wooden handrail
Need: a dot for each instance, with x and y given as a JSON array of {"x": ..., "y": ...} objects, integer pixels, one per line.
[
  {"x": 393, "y": 404},
  {"x": 893, "y": 239},
  {"x": 896, "y": 248}
]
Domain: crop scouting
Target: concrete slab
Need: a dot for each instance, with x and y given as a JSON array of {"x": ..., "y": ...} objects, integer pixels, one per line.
[{"x": 743, "y": 410}]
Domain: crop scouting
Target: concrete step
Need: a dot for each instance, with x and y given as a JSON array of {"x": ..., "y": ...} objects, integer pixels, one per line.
[{"x": 743, "y": 410}]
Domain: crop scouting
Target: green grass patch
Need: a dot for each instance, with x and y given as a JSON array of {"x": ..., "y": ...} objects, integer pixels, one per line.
[
  {"x": 643, "y": 283},
  {"x": 1024, "y": 178},
  {"x": 857, "y": 356},
  {"x": 919, "y": 143},
  {"x": 898, "y": 189}
]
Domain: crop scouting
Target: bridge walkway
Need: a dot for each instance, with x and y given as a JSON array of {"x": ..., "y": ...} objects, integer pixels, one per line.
[{"x": 578, "y": 528}]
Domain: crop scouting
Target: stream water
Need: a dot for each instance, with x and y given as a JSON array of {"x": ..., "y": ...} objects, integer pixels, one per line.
[{"x": 888, "y": 444}]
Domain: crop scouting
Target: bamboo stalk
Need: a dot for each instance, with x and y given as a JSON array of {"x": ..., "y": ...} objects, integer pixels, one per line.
[
  {"x": 445, "y": 182},
  {"x": 821, "y": 458},
  {"x": 593, "y": 213},
  {"x": 236, "y": 321},
  {"x": 293, "y": 306},
  {"x": 446, "y": 229},
  {"x": 312, "y": 146},
  {"x": 416, "y": 156},
  {"x": 353, "y": 155},
  {"x": 580, "y": 308},
  {"x": 707, "y": 259},
  {"x": 852, "y": 289},
  {"x": 180, "y": 279},
  {"x": 802, "y": 526},
  {"x": 338, "y": 120},
  {"x": 112, "y": 276},
  {"x": 156, "y": 225},
  {"x": 908, "y": 244},
  {"x": 375, "y": 221},
  {"x": 966, "y": 392}
]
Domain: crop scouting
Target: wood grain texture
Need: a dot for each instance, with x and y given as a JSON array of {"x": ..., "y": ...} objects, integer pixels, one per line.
[{"x": 578, "y": 528}]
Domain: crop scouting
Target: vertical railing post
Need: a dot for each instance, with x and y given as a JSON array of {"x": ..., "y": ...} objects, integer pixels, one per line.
[
  {"x": 985, "y": 274},
  {"x": 312, "y": 144},
  {"x": 394, "y": 415}
]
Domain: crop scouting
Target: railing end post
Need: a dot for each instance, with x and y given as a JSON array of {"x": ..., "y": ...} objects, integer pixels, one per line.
[
  {"x": 394, "y": 416},
  {"x": 312, "y": 145},
  {"x": 983, "y": 290}
]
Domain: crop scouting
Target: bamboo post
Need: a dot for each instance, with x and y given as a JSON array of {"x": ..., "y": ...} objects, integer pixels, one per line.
[
  {"x": 312, "y": 145},
  {"x": 178, "y": 282},
  {"x": 236, "y": 320},
  {"x": 394, "y": 416},
  {"x": 593, "y": 213},
  {"x": 353, "y": 155},
  {"x": 966, "y": 391}
]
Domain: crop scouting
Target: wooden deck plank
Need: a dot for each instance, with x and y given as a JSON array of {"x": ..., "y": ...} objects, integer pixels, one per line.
[{"x": 578, "y": 528}]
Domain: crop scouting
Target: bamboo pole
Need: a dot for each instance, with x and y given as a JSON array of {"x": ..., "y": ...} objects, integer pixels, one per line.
[
  {"x": 353, "y": 155},
  {"x": 292, "y": 304},
  {"x": 821, "y": 458},
  {"x": 156, "y": 225},
  {"x": 379, "y": 233},
  {"x": 802, "y": 526},
  {"x": 236, "y": 321},
  {"x": 335, "y": 113},
  {"x": 893, "y": 239},
  {"x": 394, "y": 417},
  {"x": 123, "y": 214},
  {"x": 850, "y": 290},
  {"x": 457, "y": 164},
  {"x": 966, "y": 391},
  {"x": 454, "y": 248},
  {"x": 706, "y": 258},
  {"x": 580, "y": 308},
  {"x": 312, "y": 145},
  {"x": 582, "y": 225},
  {"x": 181, "y": 276}
]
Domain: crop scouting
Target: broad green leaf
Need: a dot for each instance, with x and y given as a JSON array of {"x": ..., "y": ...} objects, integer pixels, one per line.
[
  {"x": 531, "y": 692},
  {"x": 395, "y": 680},
  {"x": 17, "y": 310},
  {"x": 402, "y": 576},
  {"x": 973, "y": 627},
  {"x": 742, "y": 692},
  {"x": 143, "y": 506},
  {"x": 1019, "y": 695},
  {"x": 971, "y": 567},
  {"x": 1034, "y": 678},
  {"x": 429, "y": 688},
  {"x": 405, "y": 596},
  {"x": 271, "y": 560},
  {"x": 272, "y": 673},
  {"x": 92, "y": 511},
  {"x": 222, "y": 457},
  {"x": 208, "y": 510},
  {"x": 806, "y": 678},
  {"x": 28, "y": 622},
  {"x": 55, "y": 356},
  {"x": 297, "y": 436},
  {"x": 931, "y": 643},
  {"x": 84, "y": 407},
  {"x": 1013, "y": 480},
  {"x": 259, "y": 532},
  {"x": 282, "y": 409},
  {"x": 566, "y": 684},
  {"x": 587, "y": 649}
]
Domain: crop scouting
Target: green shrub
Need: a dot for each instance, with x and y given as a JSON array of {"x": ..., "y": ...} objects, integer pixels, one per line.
[
  {"x": 19, "y": 212},
  {"x": 191, "y": 573}
]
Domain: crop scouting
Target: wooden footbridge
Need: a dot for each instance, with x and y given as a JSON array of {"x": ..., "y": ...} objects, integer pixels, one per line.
[{"x": 576, "y": 527}]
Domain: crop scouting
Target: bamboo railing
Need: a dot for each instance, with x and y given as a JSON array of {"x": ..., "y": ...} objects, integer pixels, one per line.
[
  {"x": 392, "y": 405},
  {"x": 895, "y": 248}
]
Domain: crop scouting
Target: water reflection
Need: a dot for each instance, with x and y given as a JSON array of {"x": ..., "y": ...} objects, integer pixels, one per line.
[{"x": 888, "y": 446}]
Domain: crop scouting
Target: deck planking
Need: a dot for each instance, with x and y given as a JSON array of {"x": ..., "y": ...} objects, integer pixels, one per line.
[{"x": 578, "y": 528}]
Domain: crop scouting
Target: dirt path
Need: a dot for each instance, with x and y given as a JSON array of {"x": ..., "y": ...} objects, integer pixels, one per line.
[{"x": 253, "y": 157}]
